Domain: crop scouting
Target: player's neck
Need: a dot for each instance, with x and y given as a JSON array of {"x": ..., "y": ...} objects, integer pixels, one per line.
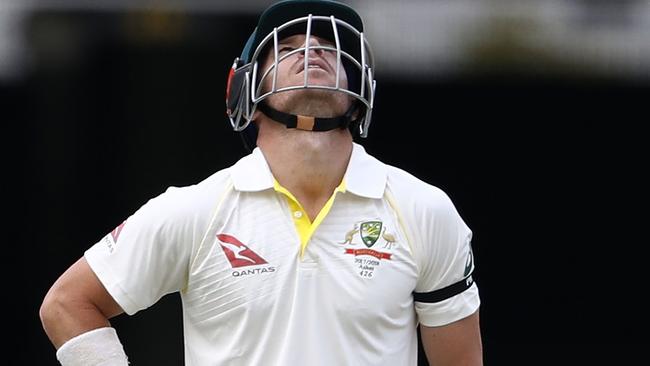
[{"x": 309, "y": 164}]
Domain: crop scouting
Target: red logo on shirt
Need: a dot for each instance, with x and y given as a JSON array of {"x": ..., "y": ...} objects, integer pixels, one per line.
[
  {"x": 237, "y": 253},
  {"x": 117, "y": 231},
  {"x": 374, "y": 253}
]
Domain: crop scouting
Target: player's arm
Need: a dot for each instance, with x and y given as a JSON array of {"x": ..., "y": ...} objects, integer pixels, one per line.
[
  {"x": 75, "y": 304},
  {"x": 455, "y": 344}
]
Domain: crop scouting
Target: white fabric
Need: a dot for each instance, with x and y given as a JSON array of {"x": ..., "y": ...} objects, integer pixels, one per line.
[
  {"x": 98, "y": 347},
  {"x": 441, "y": 244},
  {"x": 447, "y": 311},
  {"x": 229, "y": 245}
]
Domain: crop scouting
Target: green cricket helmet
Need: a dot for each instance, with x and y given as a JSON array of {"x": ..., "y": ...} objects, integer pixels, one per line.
[{"x": 334, "y": 21}]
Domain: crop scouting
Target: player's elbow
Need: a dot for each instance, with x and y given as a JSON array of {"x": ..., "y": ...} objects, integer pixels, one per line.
[
  {"x": 52, "y": 308},
  {"x": 59, "y": 314}
]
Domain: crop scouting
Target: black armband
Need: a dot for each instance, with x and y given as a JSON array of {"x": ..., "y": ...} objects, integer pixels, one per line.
[{"x": 445, "y": 292}]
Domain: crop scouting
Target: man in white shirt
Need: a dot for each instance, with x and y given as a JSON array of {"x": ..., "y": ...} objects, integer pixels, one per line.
[{"x": 308, "y": 250}]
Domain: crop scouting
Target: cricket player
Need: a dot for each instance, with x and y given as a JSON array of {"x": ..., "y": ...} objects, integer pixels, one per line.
[{"x": 307, "y": 251}]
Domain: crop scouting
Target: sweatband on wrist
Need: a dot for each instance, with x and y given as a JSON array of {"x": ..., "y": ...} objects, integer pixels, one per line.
[{"x": 98, "y": 347}]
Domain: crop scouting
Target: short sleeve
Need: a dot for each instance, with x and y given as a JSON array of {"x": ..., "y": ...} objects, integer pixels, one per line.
[
  {"x": 445, "y": 290},
  {"x": 147, "y": 256}
]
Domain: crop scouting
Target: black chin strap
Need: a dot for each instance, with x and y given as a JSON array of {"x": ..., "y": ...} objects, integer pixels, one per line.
[{"x": 307, "y": 122}]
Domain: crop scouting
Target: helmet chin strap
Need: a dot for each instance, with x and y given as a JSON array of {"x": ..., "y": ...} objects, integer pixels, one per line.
[{"x": 308, "y": 123}]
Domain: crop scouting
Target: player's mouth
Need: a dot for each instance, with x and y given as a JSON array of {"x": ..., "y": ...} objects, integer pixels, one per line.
[{"x": 315, "y": 64}]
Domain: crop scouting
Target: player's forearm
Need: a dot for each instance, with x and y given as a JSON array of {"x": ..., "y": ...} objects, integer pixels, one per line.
[{"x": 64, "y": 318}]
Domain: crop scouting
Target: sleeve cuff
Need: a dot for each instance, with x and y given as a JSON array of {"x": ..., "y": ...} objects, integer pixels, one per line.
[
  {"x": 449, "y": 310},
  {"x": 110, "y": 282}
]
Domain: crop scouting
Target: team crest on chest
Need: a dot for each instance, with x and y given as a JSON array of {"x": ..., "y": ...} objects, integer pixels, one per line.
[
  {"x": 364, "y": 241},
  {"x": 370, "y": 231}
]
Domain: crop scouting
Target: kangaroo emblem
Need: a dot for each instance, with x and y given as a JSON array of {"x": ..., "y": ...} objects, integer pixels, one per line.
[{"x": 350, "y": 234}]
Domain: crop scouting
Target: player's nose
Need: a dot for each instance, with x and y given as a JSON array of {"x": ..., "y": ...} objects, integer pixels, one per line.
[{"x": 313, "y": 42}]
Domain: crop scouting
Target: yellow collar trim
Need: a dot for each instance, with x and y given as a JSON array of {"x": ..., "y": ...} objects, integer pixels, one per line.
[{"x": 304, "y": 226}]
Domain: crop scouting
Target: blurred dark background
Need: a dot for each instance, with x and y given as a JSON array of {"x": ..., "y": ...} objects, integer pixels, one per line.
[{"x": 529, "y": 115}]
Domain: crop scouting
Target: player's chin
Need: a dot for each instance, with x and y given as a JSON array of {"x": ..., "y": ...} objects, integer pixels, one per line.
[{"x": 324, "y": 103}]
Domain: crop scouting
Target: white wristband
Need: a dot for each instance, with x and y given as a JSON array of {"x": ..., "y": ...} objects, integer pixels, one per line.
[{"x": 98, "y": 347}]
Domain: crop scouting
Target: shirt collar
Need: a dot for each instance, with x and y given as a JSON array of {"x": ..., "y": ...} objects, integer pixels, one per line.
[
  {"x": 251, "y": 173},
  {"x": 365, "y": 175}
]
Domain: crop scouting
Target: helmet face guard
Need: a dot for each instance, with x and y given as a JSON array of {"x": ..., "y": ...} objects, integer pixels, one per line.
[{"x": 347, "y": 43}]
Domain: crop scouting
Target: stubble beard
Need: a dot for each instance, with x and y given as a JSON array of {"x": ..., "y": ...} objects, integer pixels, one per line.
[{"x": 311, "y": 102}]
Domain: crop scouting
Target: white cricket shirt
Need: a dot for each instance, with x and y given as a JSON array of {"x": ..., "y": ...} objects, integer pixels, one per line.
[{"x": 263, "y": 285}]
